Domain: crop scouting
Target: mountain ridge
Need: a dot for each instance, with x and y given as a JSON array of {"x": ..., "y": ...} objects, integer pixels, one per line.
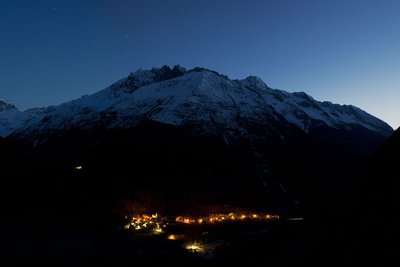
[{"x": 178, "y": 96}]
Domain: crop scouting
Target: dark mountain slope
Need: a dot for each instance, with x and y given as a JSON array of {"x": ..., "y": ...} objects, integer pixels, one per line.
[{"x": 378, "y": 208}]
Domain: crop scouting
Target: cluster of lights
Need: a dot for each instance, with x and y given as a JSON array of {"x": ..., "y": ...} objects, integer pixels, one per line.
[
  {"x": 148, "y": 223},
  {"x": 194, "y": 247},
  {"x": 218, "y": 218},
  {"x": 156, "y": 224}
]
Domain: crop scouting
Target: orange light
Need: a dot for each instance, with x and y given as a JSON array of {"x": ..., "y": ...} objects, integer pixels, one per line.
[
  {"x": 157, "y": 230},
  {"x": 194, "y": 247},
  {"x": 172, "y": 237}
]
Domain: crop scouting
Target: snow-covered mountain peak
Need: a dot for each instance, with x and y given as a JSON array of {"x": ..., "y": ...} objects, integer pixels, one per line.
[
  {"x": 304, "y": 96},
  {"x": 157, "y": 74},
  {"x": 198, "y": 97},
  {"x": 11, "y": 118},
  {"x": 6, "y": 106},
  {"x": 254, "y": 82},
  {"x": 142, "y": 77}
]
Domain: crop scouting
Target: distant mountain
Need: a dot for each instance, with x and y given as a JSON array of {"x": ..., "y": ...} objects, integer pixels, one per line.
[
  {"x": 11, "y": 118},
  {"x": 4, "y": 106}
]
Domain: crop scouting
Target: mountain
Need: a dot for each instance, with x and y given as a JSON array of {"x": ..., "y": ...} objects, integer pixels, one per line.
[
  {"x": 11, "y": 118},
  {"x": 196, "y": 136},
  {"x": 203, "y": 99},
  {"x": 4, "y": 106}
]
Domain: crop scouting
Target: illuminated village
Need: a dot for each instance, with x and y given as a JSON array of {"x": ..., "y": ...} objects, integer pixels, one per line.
[{"x": 155, "y": 224}]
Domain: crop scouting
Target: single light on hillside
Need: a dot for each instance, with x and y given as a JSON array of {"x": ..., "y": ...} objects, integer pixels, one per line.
[{"x": 172, "y": 237}]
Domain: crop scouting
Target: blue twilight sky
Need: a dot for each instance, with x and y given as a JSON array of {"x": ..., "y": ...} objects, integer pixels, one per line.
[{"x": 344, "y": 51}]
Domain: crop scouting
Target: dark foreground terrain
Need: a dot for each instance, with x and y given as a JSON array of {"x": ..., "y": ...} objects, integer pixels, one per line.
[
  {"x": 273, "y": 244},
  {"x": 57, "y": 214}
]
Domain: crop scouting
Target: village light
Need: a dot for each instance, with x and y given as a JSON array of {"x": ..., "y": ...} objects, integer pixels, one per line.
[
  {"x": 155, "y": 223},
  {"x": 193, "y": 247},
  {"x": 158, "y": 230},
  {"x": 172, "y": 237}
]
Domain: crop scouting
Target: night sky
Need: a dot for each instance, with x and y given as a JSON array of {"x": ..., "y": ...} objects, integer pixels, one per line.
[{"x": 344, "y": 51}]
